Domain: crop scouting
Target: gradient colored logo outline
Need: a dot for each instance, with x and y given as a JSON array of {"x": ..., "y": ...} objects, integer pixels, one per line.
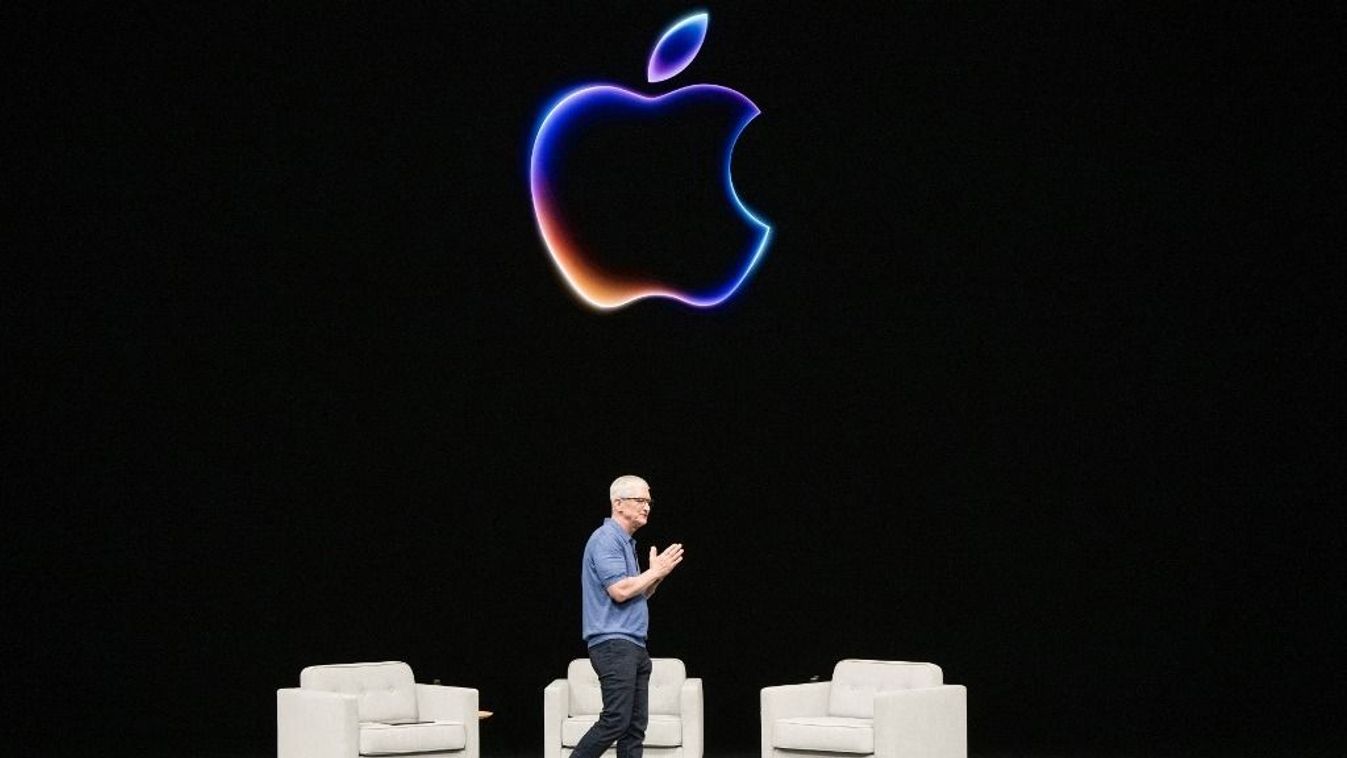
[{"x": 674, "y": 51}]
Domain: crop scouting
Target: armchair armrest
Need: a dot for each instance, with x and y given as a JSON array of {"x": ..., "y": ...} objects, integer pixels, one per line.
[
  {"x": 787, "y": 700},
  {"x": 442, "y": 703},
  {"x": 690, "y": 705},
  {"x": 316, "y": 724},
  {"x": 930, "y": 722},
  {"x": 556, "y": 707}
]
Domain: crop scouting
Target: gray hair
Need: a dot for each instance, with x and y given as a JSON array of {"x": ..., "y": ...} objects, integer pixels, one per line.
[{"x": 625, "y": 486}]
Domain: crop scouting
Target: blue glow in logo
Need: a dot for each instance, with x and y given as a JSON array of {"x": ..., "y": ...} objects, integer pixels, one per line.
[{"x": 576, "y": 122}]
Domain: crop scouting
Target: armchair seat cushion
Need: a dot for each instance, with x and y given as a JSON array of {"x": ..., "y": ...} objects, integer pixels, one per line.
[
  {"x": 661, "y": 731},
  {"x": 421, "y": 737},
  {"x": 833, "y": 734}
]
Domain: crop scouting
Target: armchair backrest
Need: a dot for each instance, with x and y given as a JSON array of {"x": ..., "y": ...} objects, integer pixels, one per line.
[
  {"x": 666, "y": 682},
  {"x": 384, "y": 691},
  {"x": 855, "y": 683}
]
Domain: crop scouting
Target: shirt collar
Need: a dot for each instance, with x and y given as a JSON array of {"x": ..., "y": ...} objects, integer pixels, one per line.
[{"x": 618, "y": 528}]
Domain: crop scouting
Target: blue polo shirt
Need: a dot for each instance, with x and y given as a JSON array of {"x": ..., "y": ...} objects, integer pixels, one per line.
[{"x": 610, "y": 556}]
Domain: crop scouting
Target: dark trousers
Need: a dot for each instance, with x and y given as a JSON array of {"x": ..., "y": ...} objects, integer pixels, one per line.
[{"x": 624, "y": 678}]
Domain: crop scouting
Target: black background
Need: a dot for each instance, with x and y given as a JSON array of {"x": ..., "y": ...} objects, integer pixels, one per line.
[{"x": 1034, "y": 381}]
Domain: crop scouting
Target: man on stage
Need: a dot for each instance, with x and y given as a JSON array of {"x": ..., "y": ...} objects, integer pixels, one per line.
[{"x": 613, "y": 592}]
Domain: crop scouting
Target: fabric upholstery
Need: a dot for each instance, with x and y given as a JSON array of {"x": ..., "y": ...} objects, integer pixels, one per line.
[
  {"x": 830, "y": 734},
  {"x": 586, "y": 697},
  {"x": 355, "y": 709},
  {"x": 675, "y": 728},
  {"x": 384, "y": 691},
  {"x": 425, "y": 737},
  {"x": 855, "y": 683},
  {"x": 888, "y": 709}
]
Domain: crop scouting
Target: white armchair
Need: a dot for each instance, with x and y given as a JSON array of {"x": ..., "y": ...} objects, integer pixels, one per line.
[
  {"x": 353, "y": 709},
  {"x": 573, "y": 704},
  {"x": 888, "y": 709}
]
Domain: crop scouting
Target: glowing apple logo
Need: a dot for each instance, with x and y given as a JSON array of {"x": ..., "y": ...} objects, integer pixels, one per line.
[{"x": 629, "y": 201}]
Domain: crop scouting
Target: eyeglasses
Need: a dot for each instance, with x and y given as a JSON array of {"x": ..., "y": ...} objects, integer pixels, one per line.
[{"x": 641, "y": 500}]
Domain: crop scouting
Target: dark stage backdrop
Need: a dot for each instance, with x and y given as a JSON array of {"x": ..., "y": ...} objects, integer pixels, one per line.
[{"x": 1031, "y": 382}]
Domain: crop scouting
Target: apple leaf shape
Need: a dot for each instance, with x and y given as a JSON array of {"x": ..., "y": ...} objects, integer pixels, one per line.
[{"x": 677, "y": 47}]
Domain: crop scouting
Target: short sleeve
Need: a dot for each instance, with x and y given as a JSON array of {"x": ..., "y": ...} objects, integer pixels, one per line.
[{"x": 610, "y": 562}]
